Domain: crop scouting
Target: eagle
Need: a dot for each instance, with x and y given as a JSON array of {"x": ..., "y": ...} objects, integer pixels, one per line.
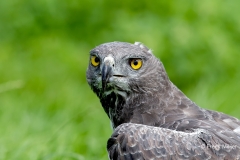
[{"x": 151, "y": 118}]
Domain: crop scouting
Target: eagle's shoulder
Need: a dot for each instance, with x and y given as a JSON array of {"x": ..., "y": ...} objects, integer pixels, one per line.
[{"x": 137, "y": 141}]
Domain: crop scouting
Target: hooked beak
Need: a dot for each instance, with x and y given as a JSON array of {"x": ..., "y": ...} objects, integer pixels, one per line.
[
  {"x": 107, "y": 70},
  {"x": 106, "y": 74}
]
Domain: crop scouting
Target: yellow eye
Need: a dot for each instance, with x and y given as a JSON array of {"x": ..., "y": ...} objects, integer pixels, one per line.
[
  {"x": 95, "y": 61},
  {"x": 136, "y": 63}
]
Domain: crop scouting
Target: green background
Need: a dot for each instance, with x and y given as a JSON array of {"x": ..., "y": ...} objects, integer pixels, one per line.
[{"x": 47, "y": 110}]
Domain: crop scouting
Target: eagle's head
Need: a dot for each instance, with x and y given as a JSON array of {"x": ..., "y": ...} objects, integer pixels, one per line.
[{"x": 120, "y": 72}]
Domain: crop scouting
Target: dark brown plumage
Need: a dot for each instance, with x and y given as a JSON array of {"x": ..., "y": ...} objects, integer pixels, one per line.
[{"x": 151, "y": 117}]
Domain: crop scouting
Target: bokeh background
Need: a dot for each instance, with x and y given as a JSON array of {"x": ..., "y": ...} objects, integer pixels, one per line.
[{"x": 47, "y": 110}]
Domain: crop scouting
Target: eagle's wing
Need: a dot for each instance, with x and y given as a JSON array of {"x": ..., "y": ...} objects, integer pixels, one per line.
[{"x": 136, "y": 141}]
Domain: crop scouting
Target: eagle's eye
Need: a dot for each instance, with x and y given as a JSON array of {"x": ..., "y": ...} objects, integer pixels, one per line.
[
  {"x": 135, "y": 63},
  {"x": 95, "y": 61}
]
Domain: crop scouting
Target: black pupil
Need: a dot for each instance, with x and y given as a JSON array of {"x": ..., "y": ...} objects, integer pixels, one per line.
[
  {"x": 96, "y": 60},
  {"x": 135, "y": 62}
]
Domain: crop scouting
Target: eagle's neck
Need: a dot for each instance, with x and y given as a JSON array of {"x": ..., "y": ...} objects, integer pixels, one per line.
[
  {"x": 114, "y": 104},
  {"x": 148, "y": 108},
  {"x": 123, "y": 107}
]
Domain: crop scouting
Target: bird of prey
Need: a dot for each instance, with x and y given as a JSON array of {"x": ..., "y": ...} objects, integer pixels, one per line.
[{"x": 151, "y": 117}]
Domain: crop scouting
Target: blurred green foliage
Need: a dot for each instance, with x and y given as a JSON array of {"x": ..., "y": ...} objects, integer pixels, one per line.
[{"x": 47, "y": 110}]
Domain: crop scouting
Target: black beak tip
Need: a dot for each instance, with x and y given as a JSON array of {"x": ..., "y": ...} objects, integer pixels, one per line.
[{"x": 104, "y": 85}]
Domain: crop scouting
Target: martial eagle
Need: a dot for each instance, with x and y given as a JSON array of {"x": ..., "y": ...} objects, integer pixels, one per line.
[{"x": 151, "y": 117}]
